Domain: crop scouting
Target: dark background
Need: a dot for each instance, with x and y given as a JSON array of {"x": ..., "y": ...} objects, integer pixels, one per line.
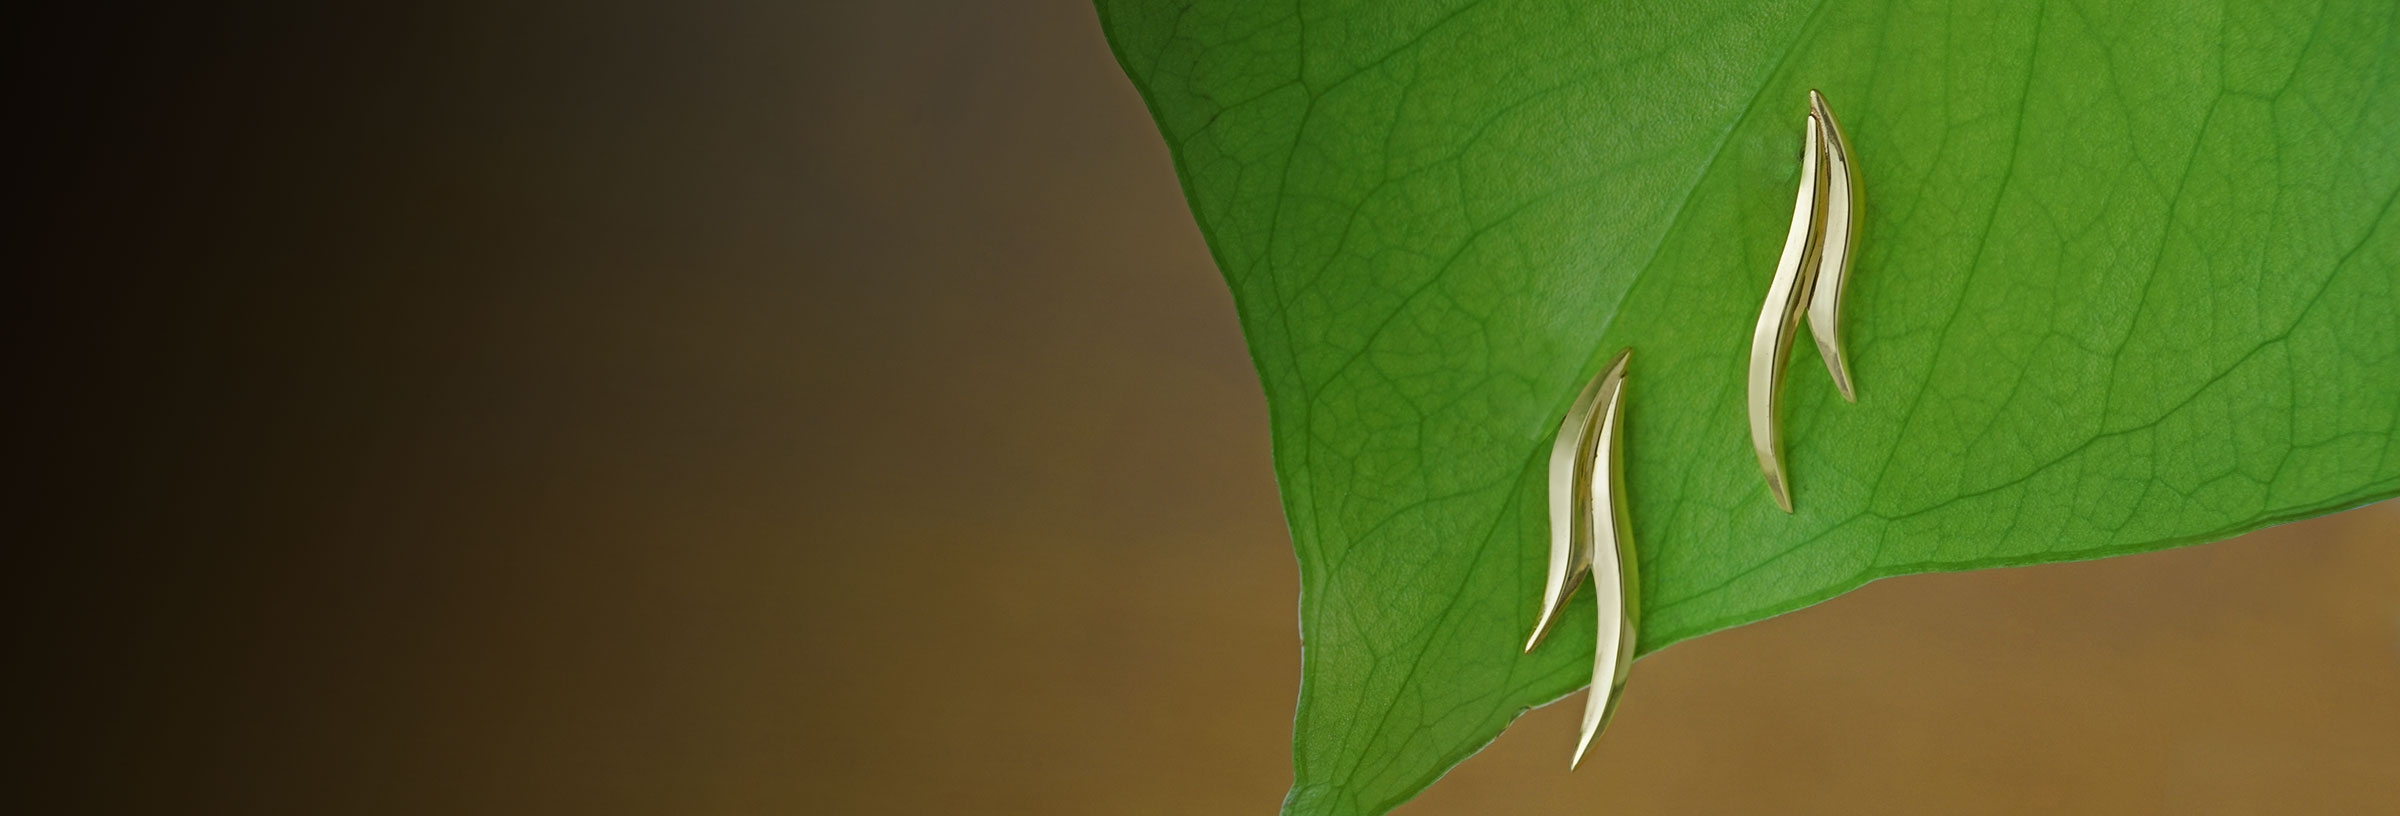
[{"x": 831, "y": 408}]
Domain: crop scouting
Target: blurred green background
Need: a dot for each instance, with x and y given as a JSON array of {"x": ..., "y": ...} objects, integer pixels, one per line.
[{"x": 727, "y": 408}]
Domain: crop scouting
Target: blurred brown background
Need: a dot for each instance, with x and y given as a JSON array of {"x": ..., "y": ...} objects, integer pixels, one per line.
[{"x": 722, "y": 408}]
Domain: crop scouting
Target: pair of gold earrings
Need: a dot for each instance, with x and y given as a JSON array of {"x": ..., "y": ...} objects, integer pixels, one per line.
[{"x": 1589, "y": 533}]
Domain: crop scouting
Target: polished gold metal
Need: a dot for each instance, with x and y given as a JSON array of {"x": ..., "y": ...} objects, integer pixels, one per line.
[
  {"x": 1570, "y": 526},
  {"x": 1590, "y": 536},
  {"x": 1615, "y": 581},
  {"x": 1779, "y": 318},
  {"x": 1840, "y": 244}
]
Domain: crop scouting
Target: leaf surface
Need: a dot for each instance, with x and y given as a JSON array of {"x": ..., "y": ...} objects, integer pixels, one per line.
[{"x": 2126, "y": 281}]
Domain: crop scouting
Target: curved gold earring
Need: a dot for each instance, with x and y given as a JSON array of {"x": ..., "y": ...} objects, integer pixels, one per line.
[
  {"x": 1589, "y": 535},
  {"x": 1810, "y": 278}
]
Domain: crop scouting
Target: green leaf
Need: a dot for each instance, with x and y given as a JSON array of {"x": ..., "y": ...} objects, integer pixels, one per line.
[{"x": 2127, "y": 281}]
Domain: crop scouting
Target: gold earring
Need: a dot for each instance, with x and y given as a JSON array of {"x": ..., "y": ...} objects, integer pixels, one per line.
[
  {"x": 1810, "y": 278},
  {"x": 1589, "y": 535}
]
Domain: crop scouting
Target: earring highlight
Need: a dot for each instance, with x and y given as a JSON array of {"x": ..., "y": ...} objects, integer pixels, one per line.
[
  {"x": 1589, "y": 535},
  {"x": 1810, "y": 277}
]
